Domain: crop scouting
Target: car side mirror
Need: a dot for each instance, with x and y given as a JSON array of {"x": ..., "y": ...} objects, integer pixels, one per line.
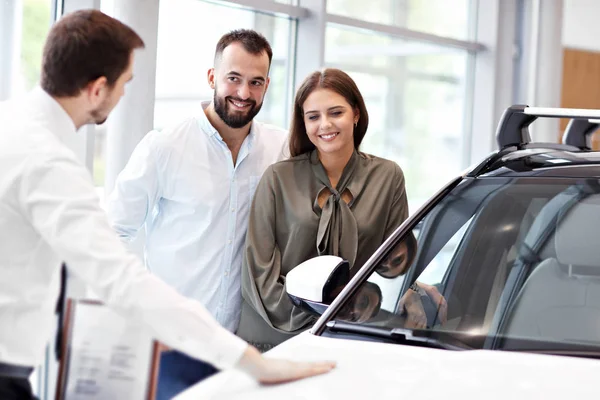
[{"x": 314, "y": 284}]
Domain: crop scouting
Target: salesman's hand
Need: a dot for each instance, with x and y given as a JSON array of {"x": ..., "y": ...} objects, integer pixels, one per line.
[{"x": 268, "y": 370}]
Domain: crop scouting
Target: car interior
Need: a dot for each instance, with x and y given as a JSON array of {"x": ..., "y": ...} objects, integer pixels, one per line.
[
  {"x": 559, "y": 299},
  {"x": 561, "y": 279}
]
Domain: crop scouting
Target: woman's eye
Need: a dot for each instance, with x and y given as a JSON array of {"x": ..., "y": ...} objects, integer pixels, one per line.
[
  {"x": 397, "y": 261},
  {"x": 313, "y": 117}
]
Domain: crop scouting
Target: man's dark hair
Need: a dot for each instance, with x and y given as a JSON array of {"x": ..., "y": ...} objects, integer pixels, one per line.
[
  {"x": 252, "y": 41},
  {"x": 84, "y": 46}
]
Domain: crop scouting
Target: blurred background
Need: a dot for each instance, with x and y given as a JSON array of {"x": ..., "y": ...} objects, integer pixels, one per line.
[{"x": 436, "y": 74}]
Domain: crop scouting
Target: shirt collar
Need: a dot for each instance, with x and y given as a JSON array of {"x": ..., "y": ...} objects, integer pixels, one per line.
[
  {"x": 348, "y": 180},
  {"x": 252, "y": 134},
  {"x": 360, "y": 173},
  {"x": 208, "y": 129},
  {"x": 204, "y": 123},
  {"x": 49, "y": 113}
]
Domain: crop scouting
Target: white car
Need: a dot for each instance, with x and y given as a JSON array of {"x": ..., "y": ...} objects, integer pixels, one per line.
[{"x": 490, "y": 291}]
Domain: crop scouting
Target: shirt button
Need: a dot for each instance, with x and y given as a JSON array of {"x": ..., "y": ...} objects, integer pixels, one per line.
[
  {"x": 226, "y": 273},
  {"x": 229, "y": 241},
  {"x": 233, "y": 210}
]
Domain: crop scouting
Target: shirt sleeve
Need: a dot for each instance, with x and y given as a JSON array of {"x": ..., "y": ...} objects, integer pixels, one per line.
[
  {"x": 58, "y": 198},
  {"x": 399, "y": 207},
  {"x": 263, "y": 284},
  {"x": 136, "y": 190}
]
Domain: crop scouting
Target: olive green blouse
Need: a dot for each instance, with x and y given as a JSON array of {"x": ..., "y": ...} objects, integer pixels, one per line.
[{"x": 287, "y": 226}]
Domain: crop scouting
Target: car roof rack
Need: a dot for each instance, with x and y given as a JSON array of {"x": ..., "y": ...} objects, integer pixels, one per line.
[
  {"x": 513, "y": 129},
  {"x": 578, "y": 132}
]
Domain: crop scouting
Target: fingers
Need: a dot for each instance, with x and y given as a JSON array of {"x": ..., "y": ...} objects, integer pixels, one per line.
[
  {"x": 443, "y": 311},
  {"x": 416, "y": 319},
  {"x": 439, "y": 300},
  {"x": 279, "y": 371},
  {"x": 415, "y": 314},
  {"x": 442, "y": 308},
  {"x": 313, "y": 369},
  {"x": 421, "y": 323}
]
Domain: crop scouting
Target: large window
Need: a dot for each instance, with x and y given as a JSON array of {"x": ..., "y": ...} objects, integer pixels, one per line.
[
  {"x": 416, "y": 94},
  {"x": 188, "y": 31},
  {"x": 23, "y": 28},
  {"x": 196, "y": 26},
  {"x": 439, "y": 17}
]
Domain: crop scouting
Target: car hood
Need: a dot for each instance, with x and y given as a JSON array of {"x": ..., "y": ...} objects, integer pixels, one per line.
[{"x": 388, "y": 371}]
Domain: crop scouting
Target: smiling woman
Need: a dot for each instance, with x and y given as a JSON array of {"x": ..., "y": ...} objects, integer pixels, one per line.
[
  {"x": 330, "y": 123},
  {"x": 302, "y": 204}
]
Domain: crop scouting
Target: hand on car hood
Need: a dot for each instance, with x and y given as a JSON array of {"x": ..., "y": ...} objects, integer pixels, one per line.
[{"x": 388, "y": 371}]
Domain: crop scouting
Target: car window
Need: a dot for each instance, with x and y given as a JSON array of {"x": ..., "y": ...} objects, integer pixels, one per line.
[
  {"x": 435, "y": 271},
  {"x": 496, "y": 259},
  {"x": 387, "y": 279}
]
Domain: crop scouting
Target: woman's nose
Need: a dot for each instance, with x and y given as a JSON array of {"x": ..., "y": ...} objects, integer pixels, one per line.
[{"x": 325, "y": 124}]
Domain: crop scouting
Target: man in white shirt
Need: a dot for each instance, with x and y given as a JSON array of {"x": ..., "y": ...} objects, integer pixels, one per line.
[
  {"x": 191, "y": 186},
  {"x": 49, "y": 213}
]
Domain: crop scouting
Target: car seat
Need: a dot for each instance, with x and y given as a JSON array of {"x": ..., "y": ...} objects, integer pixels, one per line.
[{"x": 560, "y": 300}]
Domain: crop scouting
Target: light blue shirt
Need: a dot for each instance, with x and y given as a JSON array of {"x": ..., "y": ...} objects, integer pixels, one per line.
[{"x": 181, "y": 185}]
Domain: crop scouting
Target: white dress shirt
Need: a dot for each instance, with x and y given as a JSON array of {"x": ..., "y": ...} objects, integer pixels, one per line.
[
  {"x": 49, "y": 212},
  {"x": 182, "y": 184}
]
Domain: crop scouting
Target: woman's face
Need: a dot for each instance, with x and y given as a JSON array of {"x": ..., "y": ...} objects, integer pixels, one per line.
[
  {"x": 329, "y": 122},
  {"x": 364, "y": 305},
  {"x": 396, "y": 263}
]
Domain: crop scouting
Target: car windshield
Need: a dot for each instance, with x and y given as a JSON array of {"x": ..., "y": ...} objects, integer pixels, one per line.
[{"x": 502, "y": 263}]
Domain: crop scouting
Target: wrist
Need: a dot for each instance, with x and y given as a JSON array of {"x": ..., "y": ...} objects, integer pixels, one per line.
[
  {"x": 251, "y": 362},
  {"x": 417, "y": 288}
]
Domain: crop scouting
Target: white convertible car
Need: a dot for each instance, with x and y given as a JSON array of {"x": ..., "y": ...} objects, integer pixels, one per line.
[{"x": 490, "y": 291}]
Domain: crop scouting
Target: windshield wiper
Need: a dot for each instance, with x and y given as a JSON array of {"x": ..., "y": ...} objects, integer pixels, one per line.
[
  {"x": 397, "y": 335},
  {"x": 548, "y": 346}
]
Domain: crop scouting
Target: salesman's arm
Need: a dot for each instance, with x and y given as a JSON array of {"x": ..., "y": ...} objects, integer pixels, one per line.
[
  {"x": 137, "y": 189},
  {"x": 59, "y": 200}
]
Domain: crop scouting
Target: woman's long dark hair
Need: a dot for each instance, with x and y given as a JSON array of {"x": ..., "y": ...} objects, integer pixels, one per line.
[{"x": 335, "y": 80}]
